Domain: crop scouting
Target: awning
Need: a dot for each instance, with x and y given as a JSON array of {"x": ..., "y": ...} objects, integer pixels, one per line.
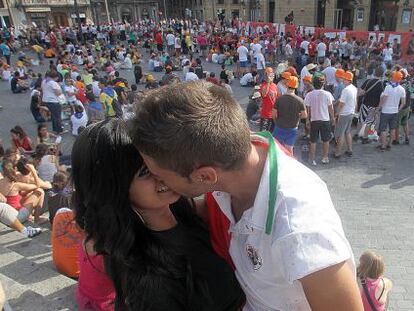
[{"x": 37, "y": 10}]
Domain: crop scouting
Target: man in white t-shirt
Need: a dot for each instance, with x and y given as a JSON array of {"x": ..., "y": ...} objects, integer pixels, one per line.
[
  {"x": 387, "y": 53},
  {"x": 243, "y": 52},
  {"x": 392, "y": 100},
  {"x": 321, "y": 51},
  {"x": 345, "y": 111},
  {"x": 287, "y": 242},
  {"x": 170, "y": 38},
  {"x": 248, "y": 79},
  {"x": 321, "y": 115},
  {"x": 304, "y": 45},
  {"x": 330, "y": 75},
  {"x": 260, "y": 65},
  {"x": 190, "y": 75}
]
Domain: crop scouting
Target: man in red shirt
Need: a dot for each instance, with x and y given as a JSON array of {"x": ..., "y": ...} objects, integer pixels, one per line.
[
  {"x": 269, "y": 93},
  {"x": 158, "y": 40}
]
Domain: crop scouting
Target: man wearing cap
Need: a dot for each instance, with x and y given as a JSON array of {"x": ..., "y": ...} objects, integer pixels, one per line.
[
  {"x": 269, "y": 93},
  {"x": 282, "y": 85},
  {"x": 345, "y": 111},
  {"x": 169, "y": 77},
  {"x": 339, "y": 75},
  {"x": 321, "y": 115},
  {"x": 393, "y": 99},
  {"x": 289, "y": 109},
  {"x": 308, "y": 70}
]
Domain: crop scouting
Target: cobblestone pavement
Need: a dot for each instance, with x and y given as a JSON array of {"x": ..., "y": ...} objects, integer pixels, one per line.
[{"x": 373, "y": 192}]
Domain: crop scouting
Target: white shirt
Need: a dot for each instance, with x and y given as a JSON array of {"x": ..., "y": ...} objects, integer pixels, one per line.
[
  {"x": 321, "y": 48},
  {"x": 78, "y": 122},
  {"x": 246, "y": 79},
  {"x": 70, "y": 89},
  {"x": 177, "y": 43},
  {"x": 394, "y": 96},
  {"x": 261, "y": 63},
  {"x": 191, "y": 76},
  {"x": 96, "y": 89},
  {"x": 257, "y": 47},
  {"x": 307, "y": 236},
  {"x": 329, "y": 73},
  {"x": 282, "y": 88},
  {"x": 304, "y": 45},
  {"x": 288, "y": 50},
  {"x": 349, "y": 98},
  {"x": 242, "y": 51},
  {"x": 319, "y": 101},
  {"x": 387, "y": 53},
  {"x": 170, "y": 39},
  {"x": 48, "y": 89},
  {"x": 303, "y": 73}
]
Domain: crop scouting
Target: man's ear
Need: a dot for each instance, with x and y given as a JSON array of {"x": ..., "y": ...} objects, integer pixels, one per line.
[{"x": 205, "y": 175}]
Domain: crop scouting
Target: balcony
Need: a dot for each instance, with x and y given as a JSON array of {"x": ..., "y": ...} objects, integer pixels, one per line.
[{"x": 59, "y": 3}]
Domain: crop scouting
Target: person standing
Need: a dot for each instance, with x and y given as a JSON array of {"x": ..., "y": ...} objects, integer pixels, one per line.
[
  {"x": 321, "y": 115},
  {"x": 269, "y": 93},
  {"x": 5, "y": 50},
  {"x": 370, "y": 91},
  {"x": 170, "y": 38},
  {"x": 321, "y": 51},
  {"x": 243, "y": 52},
  {"x": 345, "y": 111},
  {"x": 289, "y": 109},
  {"x": 51, "y": 91},
  {"x": 260, "y": 65},
  {"x": 392, "y": 100}
]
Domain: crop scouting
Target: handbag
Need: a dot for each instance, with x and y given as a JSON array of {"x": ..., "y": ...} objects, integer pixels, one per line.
[{"x": 367, "y": 295}]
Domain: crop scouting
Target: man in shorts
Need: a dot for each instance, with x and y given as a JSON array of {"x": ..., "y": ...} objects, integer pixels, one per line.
[
  {"x": 243, "y": 53},
  {"x": 404, "y": 113},
  {"x": 392, "y": 100},
  {"x": 345, "y": 111},
  {"x": 289, "y": 109},
  {"x": 371, "y": 91},
  {"x": 287, "y": 243},
  {"x": 321, "y": 115}
]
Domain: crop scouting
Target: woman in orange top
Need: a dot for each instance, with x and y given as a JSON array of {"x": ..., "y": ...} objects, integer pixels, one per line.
[{"x": 66, "y": 239}]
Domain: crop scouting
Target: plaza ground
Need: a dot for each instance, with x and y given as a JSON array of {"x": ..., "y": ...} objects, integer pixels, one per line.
[{"x": 372, "y": 191}]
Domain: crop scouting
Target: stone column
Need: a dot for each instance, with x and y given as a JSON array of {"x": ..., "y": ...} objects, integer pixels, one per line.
[{"x": 330, "y": 13}]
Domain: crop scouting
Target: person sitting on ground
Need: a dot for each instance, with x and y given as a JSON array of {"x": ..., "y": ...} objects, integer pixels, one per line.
[
  {"x": 253, "y": 107},
  {"x": 59, "y": 195},
  {"x": 22, "y": 195},
  {"x": 66, "y": 235},
  {"x": 190, "y": 75},
  {"x": 374, "y": 287},
  {"x": 212, "y": 79},
  {"x": 169, "y": 77},
  {"x": 18, "y": 85},
  {"x": 151, "y": 83},
  {"x": 20, "y": 140},
  {"x": 11, "y": 217},
  {"x": 248, "y": 79},
  {"x": 40, "y": 113},
  {"x": 134, "y": 221},
  {"x": 78, "y": 119},
  {"x": 46, "y": 162}
]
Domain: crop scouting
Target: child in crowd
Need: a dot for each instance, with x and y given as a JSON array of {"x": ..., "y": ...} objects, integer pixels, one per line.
[{"x": 373, "y": 285}]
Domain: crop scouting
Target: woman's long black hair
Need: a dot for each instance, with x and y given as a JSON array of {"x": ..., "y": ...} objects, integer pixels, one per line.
[{"x": 104, "y": 163}]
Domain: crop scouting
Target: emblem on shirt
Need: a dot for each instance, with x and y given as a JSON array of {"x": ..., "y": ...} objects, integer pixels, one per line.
[{"x": 254, "y": 257}]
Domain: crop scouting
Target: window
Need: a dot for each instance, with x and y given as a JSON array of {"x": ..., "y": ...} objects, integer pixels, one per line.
[
  {"x": 406, "y": 16},
  {"x": 235, "y": 1},
  {"x": 220, "y": 1},
  {"x": 1, "y": 4}
]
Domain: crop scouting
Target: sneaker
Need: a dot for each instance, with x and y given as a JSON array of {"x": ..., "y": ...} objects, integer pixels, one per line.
[
  {"x": 407, "y": 141},
  {"x": 365, "y": 141},
  {"x": 325, "y": 161},
  {"x": 349, "y": 153},
  {"x": 313, "y": 163},
  {"x": 31, "y": 232},
  {"x": 395, "y": 142}
]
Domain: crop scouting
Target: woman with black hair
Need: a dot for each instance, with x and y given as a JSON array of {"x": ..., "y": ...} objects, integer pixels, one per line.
[{"x": 156, "y": 250}]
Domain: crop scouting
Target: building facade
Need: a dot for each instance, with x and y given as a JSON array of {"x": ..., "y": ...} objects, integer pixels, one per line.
[
  {"x": 44, "y": 13},
  {"x": 124, "y": 10},
  {"x": 387, "y": 15}
]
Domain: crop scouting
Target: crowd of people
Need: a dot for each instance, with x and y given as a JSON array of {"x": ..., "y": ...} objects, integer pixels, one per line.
[{"x": 126, "y": 225}]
